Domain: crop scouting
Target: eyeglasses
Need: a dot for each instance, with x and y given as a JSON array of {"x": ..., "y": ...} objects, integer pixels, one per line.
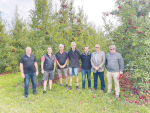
[{"x": 112, "y": 49}]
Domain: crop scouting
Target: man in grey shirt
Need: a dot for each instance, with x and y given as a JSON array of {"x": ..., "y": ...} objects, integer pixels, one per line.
[{"x": 115, "y": 66}]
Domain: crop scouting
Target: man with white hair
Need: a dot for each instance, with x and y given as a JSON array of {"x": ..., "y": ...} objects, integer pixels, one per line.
[
  {"x": 61, "y": 60},
  {"x": 115, "y": 66},
  {"x": 74, "y": 57},
  {"x": 29, "y": 69},
  {"x": 48, "y": 64},
  {"x": 98, "y": 62}
]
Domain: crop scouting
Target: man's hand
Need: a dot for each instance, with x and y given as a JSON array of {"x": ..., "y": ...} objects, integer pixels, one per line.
[
  {"x": 96, "y": 68},
  {"x": 120, "y": 72},
  {"x": 37, "y": 73},
  {"x": 23, "y": 76},
  {"x": 63, "y": 66},
  {"x": 42, "y": 71}
]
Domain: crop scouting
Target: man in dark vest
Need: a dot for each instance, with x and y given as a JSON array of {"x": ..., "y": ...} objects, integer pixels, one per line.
[{"x": 48, "y": 64}]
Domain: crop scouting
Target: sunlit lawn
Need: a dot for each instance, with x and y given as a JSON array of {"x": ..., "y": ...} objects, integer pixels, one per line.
[{"x": 61, "y": 100}]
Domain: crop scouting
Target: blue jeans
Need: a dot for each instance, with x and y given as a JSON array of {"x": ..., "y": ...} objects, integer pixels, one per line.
[
  {"x": 84, "y": 72},
  {"x": 73, "y": 69},
  {"x": 101, "y": 75},
  {"x": 26, "y": 82}
]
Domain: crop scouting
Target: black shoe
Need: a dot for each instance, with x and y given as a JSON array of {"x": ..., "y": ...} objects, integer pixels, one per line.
[
  {"x": 66, "y": 86},
  {"x": 77, "y": 87},
  {"x": 26, "y": 96},
  {"x": 44, "y": 92},
  {"x": 50, "y": 89},
  {"x": 35, "y": 93},
  {"x": 69, "y": 87}
]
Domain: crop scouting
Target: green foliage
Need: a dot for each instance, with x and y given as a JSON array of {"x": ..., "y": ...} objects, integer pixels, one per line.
[
  {"x": 132, "y": 36},
  {"x": 48, "y": 28}
]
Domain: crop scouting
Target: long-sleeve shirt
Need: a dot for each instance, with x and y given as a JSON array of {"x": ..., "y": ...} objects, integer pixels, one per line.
[{"x": 114, "y": 62}]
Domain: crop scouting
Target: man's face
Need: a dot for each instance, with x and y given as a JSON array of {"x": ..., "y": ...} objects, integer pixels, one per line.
[
  {"x": 73, "y": 46},
  {"x": 86, "y": 49},
  {"x": 112, "y": 50},
  {"x": 61, "y": 48},
  {"x": 28, "y": 50},
  {"x": 97, "y": 48},
  {"x": 49, "y": 50}
]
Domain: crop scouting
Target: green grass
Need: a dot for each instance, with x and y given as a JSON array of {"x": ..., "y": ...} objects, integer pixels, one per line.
[{"x": 61, "y": 100}]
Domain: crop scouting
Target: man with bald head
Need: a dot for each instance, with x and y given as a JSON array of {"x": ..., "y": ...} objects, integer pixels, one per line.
[{"x": 29, "y": 69}]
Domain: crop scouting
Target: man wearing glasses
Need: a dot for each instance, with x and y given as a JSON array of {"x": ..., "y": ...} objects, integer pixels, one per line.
[
  {"x": 98, "y": 62},
  {"x": 115, "y": 66}
]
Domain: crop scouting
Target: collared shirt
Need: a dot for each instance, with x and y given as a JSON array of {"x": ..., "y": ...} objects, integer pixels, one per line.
[
  {"x": 96, "y": 56},
  {"x": 61, "y": 58},
  {"x": 28, "y": 63}
]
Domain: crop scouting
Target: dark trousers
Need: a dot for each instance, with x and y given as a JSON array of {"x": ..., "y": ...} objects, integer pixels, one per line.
[{"x": 101, "y": 75}]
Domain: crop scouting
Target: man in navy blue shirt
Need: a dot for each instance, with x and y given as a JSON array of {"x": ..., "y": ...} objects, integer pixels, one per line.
[
  {"x": 86, "y": 67},
  {"x": 62, "y": 60},
  {"x": 29, "y": 69}
]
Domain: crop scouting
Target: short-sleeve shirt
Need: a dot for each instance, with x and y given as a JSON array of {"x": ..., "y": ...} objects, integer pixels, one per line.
[
  {"x": 28, "y": 63},
  {"x": 61, "y": 58}
]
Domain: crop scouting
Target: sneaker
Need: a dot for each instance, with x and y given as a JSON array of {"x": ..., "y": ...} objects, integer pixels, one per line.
[
  {"x": 83, "y": 89},
  {"x": 66, "y": 86},
  {"x": 26, "y": 96},
  {"x": 50, "y": 89},
  {"x": 77, "y": 87},
  {"x": 44, "y": 92},
  {"x": 35, "y": 93},
  {"x": 61, "y": 84},
  {"x": 69, "y": 88}
]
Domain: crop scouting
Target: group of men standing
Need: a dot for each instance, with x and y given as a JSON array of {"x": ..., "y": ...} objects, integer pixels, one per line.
[{"x": 113, "y": 62}]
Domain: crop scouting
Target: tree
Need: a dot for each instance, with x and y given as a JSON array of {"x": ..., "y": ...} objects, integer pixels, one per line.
[
  {"x": 16, "y": 42},
  {"x": 132, "y": 37}
]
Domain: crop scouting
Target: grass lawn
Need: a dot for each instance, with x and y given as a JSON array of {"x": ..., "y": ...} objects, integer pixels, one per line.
[{"x": 61, "y": 100}]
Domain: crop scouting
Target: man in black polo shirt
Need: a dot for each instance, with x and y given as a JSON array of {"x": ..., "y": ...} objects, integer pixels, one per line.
[
  {"x": 86, "y": 67},
  {"x": 29, "y": 69},
  {"x": 61, "y": 60}
]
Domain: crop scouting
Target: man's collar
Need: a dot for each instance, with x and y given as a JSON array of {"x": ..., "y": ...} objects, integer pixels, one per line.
[{"x": 86, "y": 54}]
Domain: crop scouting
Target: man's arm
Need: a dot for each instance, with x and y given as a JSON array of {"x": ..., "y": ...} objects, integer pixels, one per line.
[
  {"x": 36, "y": 67},
  {"x": 58, "y": 64},
  {"x": 65, "y": 63},
  {"x": 54, "y": 64},
  {"x": 21, "y": 69},
  {"x": 121, "y": 64},
  {"x": 42, "y": 70},
  {"x": 42, "y": 64}
]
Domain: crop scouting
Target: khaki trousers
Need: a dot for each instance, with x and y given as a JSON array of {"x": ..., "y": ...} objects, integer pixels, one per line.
[{"x": 115, "y": 76}]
